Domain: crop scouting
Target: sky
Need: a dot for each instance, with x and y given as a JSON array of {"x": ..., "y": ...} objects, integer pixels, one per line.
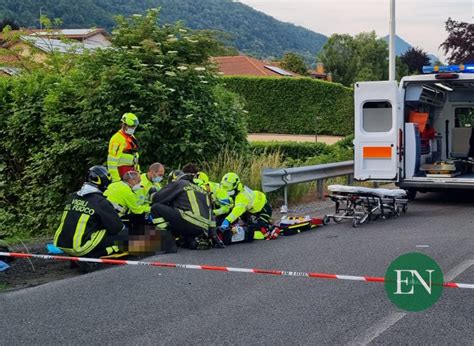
[{"x": 419, "y": 22}]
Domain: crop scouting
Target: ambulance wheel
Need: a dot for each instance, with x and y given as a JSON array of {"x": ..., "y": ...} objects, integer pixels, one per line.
[
  {"x": 326, "y": 220},
  {"x": 355, "y": 222},
  {"x": 411, "y": 194}
]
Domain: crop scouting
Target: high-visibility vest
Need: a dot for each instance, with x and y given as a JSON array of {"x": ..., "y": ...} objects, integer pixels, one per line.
[
  {"x": 124, "y": 199},
  {"x": 123, "y": 151},
  {"x": 144, "y": 192}
]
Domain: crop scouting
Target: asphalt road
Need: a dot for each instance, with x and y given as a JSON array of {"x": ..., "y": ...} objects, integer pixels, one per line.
[{"x": 145, "y": 305}]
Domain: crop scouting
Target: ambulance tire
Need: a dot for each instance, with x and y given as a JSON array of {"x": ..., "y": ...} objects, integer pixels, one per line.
[{"x": 411, "y": 194}]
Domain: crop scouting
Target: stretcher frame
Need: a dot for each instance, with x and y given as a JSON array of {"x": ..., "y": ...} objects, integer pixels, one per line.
[{"x": 362, "y": 205}]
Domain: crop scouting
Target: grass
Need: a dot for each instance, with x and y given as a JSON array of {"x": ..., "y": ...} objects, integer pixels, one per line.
[
  {"x": 248, "y": 167},
  {"x": 3, "y": 286}
]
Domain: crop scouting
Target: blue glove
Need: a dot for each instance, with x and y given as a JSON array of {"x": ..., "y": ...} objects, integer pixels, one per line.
[
  {"x": 3, "y": 266},
  {"x": 149, "y": 219},
  {"x": 225, "y": 224},
  {"x": 53, "y": 249}
]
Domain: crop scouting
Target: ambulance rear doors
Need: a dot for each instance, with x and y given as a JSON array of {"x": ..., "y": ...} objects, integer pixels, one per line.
[{"x": 378, "y": 134}]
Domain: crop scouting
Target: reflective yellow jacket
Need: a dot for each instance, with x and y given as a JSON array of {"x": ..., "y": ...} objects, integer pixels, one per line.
[
  {"x": 121, "y": 195},
  {"x": 123, "y": 151},
  {"x": 144, "y": 192},
  {"x": 247, "y": 200}
]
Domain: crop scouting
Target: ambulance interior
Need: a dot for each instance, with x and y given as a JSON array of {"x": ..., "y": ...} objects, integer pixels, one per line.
[{"x": 439, "y": 122}]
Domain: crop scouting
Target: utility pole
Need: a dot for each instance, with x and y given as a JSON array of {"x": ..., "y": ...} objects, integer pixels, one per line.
[
  {"x": 392, "y": 53},
  {"x": 41, "y": 17}
]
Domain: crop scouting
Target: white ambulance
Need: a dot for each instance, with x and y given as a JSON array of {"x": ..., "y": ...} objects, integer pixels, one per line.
[{"x": 418, "y": 134}]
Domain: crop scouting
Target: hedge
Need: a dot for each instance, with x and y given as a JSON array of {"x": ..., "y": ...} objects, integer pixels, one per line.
[
  {"x": 291, "y": 105},
  {"x": 293, "y": 150}
]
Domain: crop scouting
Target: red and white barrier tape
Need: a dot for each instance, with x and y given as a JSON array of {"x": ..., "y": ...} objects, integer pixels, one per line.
[{"x": 217, "y": 268}]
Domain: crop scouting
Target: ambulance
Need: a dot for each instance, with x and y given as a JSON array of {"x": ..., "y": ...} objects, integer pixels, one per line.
[{"x": 418, "y": 134}]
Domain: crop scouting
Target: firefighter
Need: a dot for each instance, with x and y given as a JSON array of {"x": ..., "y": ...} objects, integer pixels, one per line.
[
  {"x": 123, "y": 149},
  {"x": 183, "y": 209},
  {"x": 250, "y": 205},
  {"x": 90, "y": 225},
  {"x": 127, "y": 203}
]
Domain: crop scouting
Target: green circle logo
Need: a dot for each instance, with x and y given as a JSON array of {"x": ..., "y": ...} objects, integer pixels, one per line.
[{"x": 414, "y": 282}]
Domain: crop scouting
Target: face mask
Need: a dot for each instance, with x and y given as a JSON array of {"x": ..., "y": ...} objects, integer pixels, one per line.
[
  {"x": 136, "y": 187},
  {"x": 130, "y": 130},
  {"x": 157, "y": 179}
]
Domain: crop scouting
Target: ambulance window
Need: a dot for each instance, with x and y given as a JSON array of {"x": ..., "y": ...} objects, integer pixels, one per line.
[{"x": 377, "y": 116}]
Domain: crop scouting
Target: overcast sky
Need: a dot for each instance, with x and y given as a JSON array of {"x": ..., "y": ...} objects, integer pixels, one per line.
[{"x": 419, "y": 22}]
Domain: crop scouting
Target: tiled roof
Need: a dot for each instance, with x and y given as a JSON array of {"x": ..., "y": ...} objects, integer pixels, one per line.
[{"x": 243, "y": 65}]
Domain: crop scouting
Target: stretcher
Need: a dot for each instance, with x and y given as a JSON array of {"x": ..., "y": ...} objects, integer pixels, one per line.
[{"x": 363, "y": 204}]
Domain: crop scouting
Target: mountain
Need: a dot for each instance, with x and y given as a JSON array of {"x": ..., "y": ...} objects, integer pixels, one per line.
[
  {"x": 252, "y": 32},
  {"x": 401, "y": 46}
]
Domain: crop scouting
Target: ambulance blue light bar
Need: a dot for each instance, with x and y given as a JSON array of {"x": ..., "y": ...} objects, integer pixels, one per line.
[{"x": 468, "y": 68}]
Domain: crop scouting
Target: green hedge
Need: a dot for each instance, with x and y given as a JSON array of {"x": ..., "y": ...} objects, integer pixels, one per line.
[
  {"x": 291, "y": 105},
  {"x": 290, "y": 150}
]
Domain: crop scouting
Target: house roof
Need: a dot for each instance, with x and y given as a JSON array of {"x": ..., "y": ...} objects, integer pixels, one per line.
[
  {"x": 73, "y": 34},
  {"x": 242, "y": 65},
  {"x": 48, "y": 44},
  {"x": 70, "y": 33}
]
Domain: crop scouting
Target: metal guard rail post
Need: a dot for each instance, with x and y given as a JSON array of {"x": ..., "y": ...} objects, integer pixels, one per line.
[{"x": 274, "y": 179}]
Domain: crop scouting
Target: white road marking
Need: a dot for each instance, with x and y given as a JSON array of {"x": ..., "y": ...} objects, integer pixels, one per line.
[
  {"x": 385, "y": 323},
  {"x": 422, "y": 246}
]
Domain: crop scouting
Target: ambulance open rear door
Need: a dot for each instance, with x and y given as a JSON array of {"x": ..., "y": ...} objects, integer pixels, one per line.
[{"x": 378, "y": 121}]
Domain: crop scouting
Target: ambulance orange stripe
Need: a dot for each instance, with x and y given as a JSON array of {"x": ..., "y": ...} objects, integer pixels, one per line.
[{"x": 377, "y": 152}]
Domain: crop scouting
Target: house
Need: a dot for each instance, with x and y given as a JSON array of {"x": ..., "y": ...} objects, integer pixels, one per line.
[
  {"x": 319, "y": 73},
  {"x": 243, "y": 65},
  {"x": 47, "y": 41}
]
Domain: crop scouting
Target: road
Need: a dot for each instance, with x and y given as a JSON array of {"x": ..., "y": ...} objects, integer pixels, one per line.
[
  {"x": 146, "y": 305},
  {"x": 253, "y": 137}
]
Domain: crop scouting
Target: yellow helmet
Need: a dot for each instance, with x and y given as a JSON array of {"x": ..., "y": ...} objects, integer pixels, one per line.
[
  {"x": 202, "y": 177},
  {"x": 130, "y": 119},
  {"x": 230, "y": 181}
]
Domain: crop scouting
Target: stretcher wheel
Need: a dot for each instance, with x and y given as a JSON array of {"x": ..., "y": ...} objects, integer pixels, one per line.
[
  {"x": 355, "y": 222},
  {"x": 338, "y": 219},
  {"x": 326, "y": 220},
  {"x": 404, "y": 208}
]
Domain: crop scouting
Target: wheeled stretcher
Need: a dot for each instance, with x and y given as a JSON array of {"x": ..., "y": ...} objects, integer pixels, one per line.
[{"x": 363, "y": 204}]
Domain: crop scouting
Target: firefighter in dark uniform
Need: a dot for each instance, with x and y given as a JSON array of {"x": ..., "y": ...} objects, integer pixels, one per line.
[
  {"x": 90, "y": 226},
  {"x": 183, "y": 209}
]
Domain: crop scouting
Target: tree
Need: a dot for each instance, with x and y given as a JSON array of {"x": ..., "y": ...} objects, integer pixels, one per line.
[
  {"x": 10, "y": 22},
  {"x": 294, "y": 63},
  {"x": 351, "y": 59},
  {"x": 415, "y": 59},
  {"x": 339, "y": 57},
  {"x": 160, "y": 72},
  {"x": 459, "y": 46}
]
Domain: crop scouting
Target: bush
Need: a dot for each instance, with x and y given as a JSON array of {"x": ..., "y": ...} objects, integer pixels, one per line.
[
  {"x": 291, "y": 105},
  {"x": 54, "y": 125}
]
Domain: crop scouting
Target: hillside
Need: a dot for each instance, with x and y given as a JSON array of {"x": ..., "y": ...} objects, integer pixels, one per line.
[{"x": 253, "y": 32}]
